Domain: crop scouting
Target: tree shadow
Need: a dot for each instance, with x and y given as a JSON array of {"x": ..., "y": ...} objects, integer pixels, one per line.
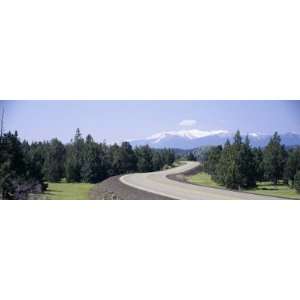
[
  {"x": 51, "y": 192},
  {"x": 269, "y": 189}
]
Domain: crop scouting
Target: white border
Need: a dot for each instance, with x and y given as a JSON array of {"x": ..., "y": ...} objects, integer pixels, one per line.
[{"x": 140, "y": 50}]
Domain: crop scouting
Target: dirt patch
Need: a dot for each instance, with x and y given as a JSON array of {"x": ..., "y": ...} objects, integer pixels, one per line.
[{"x": 113, "y": 189}]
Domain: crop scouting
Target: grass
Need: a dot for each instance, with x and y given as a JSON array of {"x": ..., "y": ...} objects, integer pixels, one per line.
[
  {"x": 202, "y": 179},
  {"x": 279, "y": 190},
  {"x": 263, "y": 188},
  {"x": 68, "y": 191}
]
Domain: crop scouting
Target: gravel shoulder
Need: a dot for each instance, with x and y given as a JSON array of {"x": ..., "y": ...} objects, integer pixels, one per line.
[{"x": 113, "y": 189}]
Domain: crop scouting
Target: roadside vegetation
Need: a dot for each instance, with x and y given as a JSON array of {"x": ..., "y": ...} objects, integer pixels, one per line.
[
  {"x": 203, "y": 178},
  {"x": 67, "y": 191},
  {"x": 273, "y": 171},
  {"x": 39, "y": 167},
  {"x": 262, "y": 188}
]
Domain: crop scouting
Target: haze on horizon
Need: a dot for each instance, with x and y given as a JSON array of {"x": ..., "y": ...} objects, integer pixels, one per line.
[{"x": 116, "y": 121}]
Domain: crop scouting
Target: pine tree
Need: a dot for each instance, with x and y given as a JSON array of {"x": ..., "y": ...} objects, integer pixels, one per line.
[
  {"x": 230, "y": 166},
  {"x": 128, "y": 160},
  {"x": 72, "y": 168},
  {"x": 16, "y": 177},
  {"x": 35, "y": 155},
  {"x": 157, "y": 161},
  {"x": 117, "y": 159},
  {"x": 237, "y": 140},
  {"x": 247, "y": 165},
  {"x": 236, "y": 166},
  {"x": 274, "y": 159},
  {"x": 191, "y": 156},
  {"x": 259, "y": 165},
  {"x": 144, "y": 159},
  {"x": 168, "y": 156},
  {"x": 292, "y": 165},
  {"x": 111, "y": 159},
  {"x": 54, "y": 162},
  {"x": 93, "y": 169},
  {"x": 212, "y": 160},
  {"x": 74, "y": 161},
  {"x": 225, "y": 165}
]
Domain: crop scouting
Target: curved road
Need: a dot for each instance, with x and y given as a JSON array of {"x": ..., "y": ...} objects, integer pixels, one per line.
[{"x": 158, "y": 183}]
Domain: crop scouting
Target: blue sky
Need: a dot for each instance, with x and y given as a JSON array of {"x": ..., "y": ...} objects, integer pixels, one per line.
[{"x": 120, "y": 120}]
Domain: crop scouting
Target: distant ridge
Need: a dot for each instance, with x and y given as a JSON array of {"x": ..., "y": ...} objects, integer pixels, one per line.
[{"x": 194, "y": 138}]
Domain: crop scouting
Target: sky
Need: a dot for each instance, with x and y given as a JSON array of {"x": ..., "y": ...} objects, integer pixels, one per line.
[{"x": 115, "y": 121}]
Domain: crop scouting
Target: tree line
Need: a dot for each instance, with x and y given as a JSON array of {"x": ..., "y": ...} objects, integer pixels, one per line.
[
  {"x": 237, "y": 165},
  {"x": 27, "y": 167}
]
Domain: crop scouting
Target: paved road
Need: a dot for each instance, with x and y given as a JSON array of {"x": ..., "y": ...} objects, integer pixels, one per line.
[{"x": 158, "y": 183}]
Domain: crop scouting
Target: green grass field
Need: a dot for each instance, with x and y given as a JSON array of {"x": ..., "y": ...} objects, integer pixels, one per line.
[
  {"x": 279, "y": 190},
  {"x": 202, "y": 179},
  {"x": 263, "y": 188},
  {"x": 68, "y": 191}
]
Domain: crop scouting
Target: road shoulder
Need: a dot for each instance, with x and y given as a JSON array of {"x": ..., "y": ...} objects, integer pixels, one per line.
[{"x": 113, "y": 189}]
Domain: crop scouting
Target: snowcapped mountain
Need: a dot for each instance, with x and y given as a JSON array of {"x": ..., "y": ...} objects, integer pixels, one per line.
[{"x": 194, "y": 138}]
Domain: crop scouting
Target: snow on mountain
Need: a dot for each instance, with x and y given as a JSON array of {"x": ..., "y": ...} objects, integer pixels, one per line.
[
  {"x": 194, "y": 138},
  {"x": 189, "y": 134}
]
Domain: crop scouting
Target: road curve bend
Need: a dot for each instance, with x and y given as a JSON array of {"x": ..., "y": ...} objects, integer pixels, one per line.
[{"x": 158, "y": 183}]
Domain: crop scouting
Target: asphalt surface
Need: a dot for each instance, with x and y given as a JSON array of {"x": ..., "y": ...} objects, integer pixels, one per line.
[{"x": 158, "y": 183}]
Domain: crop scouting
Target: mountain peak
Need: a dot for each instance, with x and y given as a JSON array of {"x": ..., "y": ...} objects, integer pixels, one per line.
[
  {"x": 187, "y": 133},
  {"x": 194, "y": 138}
]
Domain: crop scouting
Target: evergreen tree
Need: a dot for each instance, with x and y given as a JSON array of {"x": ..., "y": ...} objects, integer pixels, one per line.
[
  {"x": 168, "y": 156},
  {"x": 157, "y": 161},
  {"x": 259, "y": 165},
  {"x": 93, "y": 168},
  {"x": 111, "y": 159},
  {"x": 230, "y": 165},
  {"x": 274, "y": 159},
  {"x": 247, "y": 165},
  {"x": 72, "y": 167},
  {"x": 54, "y": 162},
  {"x": 212, "y": 160},
  {"x": 116, "y": 159},
  {"x": 16, "y": 177},
  {"x": 236, "y": 167},
  {"x": 128, "y": 160},
  {"x": 35, "y": 155},
  {"x": 237, "y": 140},
  {"x": 292, "y": 165},
  {"x": 191, "y": 156},
  {"x": 74, "y": 161},
  {"x": 225, "y": 168},
  {"x": 144, "y": 158},
  {"x": 11, "y": 164}
]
